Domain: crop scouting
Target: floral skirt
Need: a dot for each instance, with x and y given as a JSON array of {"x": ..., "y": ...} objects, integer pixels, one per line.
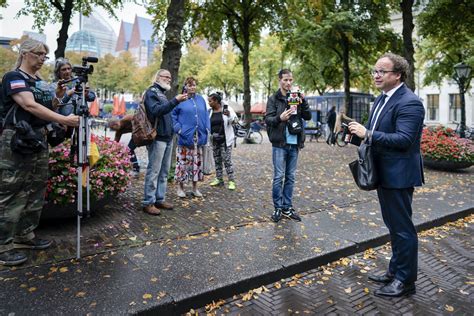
[{"x": 188, "y": 164}]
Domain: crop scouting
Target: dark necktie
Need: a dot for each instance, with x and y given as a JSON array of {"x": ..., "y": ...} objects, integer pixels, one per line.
[{"x": 377, "y": 109}]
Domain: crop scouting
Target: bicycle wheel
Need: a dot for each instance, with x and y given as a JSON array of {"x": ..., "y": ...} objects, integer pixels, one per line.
[
  {"x": 340, "y": 139},
  {"x": 255, "y": 137}
]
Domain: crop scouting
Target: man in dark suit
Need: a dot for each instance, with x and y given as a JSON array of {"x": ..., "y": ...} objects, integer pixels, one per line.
[{"x": 396, "y": 122}]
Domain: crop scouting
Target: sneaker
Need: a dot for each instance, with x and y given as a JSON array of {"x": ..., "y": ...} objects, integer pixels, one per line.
[
  {"x": 12, "y": 258},
  {"x": 151, "y": 209},
  {"x": 181, "y": 193},
  {"x": 231, "y": 185},
  {"x": 196, "y": 193},
  {"x": 216, "y": 182},
  {"x": 276, "y": 215},
  {"x": 34, "y": 243},
  {"x": 291, "y": 213}
]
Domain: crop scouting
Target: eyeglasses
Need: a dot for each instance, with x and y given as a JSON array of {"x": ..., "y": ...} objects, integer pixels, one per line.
[
  {"x": 40, "y": 55},
  {"x": 166, "y": 77},
  {"x": 381, "y": 73}
]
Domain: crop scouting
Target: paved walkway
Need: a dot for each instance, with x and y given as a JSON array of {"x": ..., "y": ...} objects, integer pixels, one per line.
[
  {"x": 216, "y": 246},
  {"x": 445, "y": 283}
]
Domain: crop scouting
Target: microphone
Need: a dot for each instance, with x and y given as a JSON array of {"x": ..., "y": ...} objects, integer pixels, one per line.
[{"x": 90, "y": 59}]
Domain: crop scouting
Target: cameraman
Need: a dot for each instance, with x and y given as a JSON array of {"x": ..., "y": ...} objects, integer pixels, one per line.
[
  {"x": 285, "y": 144},
  {"x": 63, "y": 72},
  {"x": 23, "y": 177}
]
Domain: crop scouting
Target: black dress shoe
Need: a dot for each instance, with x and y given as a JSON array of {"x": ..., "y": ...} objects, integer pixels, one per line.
[
  {"x": 386, "y": 278},
  {"x": 396, "y": 288}
]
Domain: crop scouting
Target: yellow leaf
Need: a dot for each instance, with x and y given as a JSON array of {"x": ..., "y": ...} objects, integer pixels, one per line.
[
  {"x": 449, "y": 308},
  {"x": 147, "y": 296},
  {"x": 53, "y": 269},
  {"x": 239, "y": 305},
  {"x": 216, "y": 253},
  {"x": 138, "y": 255},
  {"x": 32, "y": 289},
  {"x": 348, "y": 290},
  {"x": 134, "y": 238},
  {"x": 277, "y": 285},
  {"x": 366, "y": 290},
  {"x": 153, "y": 279},
  {"x": 80, "y": 294},
  {"x": 63, "y": 269}
]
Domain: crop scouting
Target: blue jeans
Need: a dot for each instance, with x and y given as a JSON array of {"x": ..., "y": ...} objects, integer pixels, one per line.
[
  {"x": 284, "y": 170},
  {"x": 156, "y": 177}
]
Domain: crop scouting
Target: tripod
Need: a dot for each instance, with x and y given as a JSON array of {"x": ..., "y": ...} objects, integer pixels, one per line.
[{"x": 81, "y": 141}]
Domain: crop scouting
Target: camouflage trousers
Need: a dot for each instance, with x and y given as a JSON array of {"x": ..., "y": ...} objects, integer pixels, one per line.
[{"x": 22, "y": 190}]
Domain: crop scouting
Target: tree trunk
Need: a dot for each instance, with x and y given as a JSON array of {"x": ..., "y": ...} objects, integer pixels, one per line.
[
  {"x": 63, "y": 32},
  {"x": 407, "y": 32},
  {"x": 347, "y": 76},
  {"x": 246, "y": 66},
  {"x": 172, "y": 47}
]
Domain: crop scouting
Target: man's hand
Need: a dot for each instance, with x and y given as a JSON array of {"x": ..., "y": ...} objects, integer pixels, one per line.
[
  {"x": 357, "y": 129},
  {"x": 285, "y": 116},
  {"x": 182, "y": 97}
]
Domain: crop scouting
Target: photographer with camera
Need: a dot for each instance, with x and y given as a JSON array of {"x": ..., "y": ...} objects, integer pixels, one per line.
[
  {"x": 222, "y": 131},
  {"x": 63, "y": 75},
  {"x": 284, "y": 118},
  {"x": 29, "y": 107}
]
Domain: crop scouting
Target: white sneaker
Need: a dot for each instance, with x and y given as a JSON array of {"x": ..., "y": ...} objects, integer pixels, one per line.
[
  {"x": 181, "y": 193},
  {"x": 196, "y": 193}
]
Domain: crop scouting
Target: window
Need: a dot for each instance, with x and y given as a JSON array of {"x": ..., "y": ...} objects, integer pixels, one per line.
[
  {"x": 432, "y": 106},
  {"x": 454, "y": 108}
]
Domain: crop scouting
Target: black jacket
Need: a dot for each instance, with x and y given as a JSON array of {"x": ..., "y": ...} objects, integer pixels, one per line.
[
  {"x": 158, "y": 107},
  {"x": 276, "y": 105}
]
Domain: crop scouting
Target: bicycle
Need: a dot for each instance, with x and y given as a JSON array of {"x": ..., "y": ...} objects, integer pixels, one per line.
[
  {"x": 468, "y": 131},
  {"x": 250, "y": 135}
]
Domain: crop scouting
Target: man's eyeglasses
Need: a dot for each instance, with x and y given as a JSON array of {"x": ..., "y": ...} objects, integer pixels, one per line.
[
  {"x": 381, "y": 73},
  {"x": 166, "y": 77},
  {"x": 40, "y": 55}
]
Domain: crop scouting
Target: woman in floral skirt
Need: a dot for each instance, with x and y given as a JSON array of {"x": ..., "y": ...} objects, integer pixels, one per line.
[{"x": 191, "y": 124}]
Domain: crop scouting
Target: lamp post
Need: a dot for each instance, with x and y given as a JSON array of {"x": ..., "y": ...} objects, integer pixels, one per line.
[{"x": 462, "y": 77}]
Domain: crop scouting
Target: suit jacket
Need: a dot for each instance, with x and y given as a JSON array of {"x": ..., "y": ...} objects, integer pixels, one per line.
[{"x": 396, "y": 140}]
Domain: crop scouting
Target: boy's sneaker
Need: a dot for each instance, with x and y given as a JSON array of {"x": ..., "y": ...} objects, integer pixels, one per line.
[
  {"x": 216, "y": 182},
  {"x": 180, "y": 193},
  {"x": 291, "y": 213},
  {"x": 231, "y": 185},
  {"x": 12, "y": 258},
  {"x": 277, "y": 215}
]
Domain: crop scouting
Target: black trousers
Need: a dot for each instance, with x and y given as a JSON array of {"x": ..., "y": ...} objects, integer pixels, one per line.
[{"x": 397, "y": 215}]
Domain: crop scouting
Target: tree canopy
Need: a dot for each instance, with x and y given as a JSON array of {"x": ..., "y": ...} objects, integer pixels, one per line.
[{"x": 446, "y": 29}]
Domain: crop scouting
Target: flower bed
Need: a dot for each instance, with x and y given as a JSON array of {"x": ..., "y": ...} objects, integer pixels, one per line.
[
  {"x": 108, "y": 177},
  {"x": 441, "y": 144}
]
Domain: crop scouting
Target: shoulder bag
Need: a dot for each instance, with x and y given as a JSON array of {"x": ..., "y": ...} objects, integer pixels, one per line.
[{"x": 363, "y": 169}]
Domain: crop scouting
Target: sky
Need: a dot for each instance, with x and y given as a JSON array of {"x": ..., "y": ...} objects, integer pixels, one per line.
[{"x": 14, "y": 27}]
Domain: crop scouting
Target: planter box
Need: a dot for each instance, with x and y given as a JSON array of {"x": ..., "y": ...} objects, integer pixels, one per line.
[{"x": 446, "y": 165}]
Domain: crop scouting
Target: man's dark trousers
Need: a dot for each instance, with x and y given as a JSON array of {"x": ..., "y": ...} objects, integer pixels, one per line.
[{"x": 397, "y": 212}]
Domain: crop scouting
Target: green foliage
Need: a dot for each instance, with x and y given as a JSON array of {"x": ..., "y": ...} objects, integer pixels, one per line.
[
  {"x": 446, "y": 28},
  {"x": 44, "y": 11},
  {"x": 325, "y": 36},
  {"x": 222, "y": 72},
  {"x": 108, "y": 107},
  {"x": 265, "y": 62},
  {"x": 193, "y": 61},
  {"x": 7, "y": 60}
]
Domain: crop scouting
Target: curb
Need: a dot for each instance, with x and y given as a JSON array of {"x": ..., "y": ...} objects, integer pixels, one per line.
[{"x": 183, "y": 306}]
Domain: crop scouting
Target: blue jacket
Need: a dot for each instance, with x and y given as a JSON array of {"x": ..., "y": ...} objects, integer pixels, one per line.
[
  {"x": 187, "y": 117},
  {"x": 158, "y": 107},
  {"x": 396, "y": 140}
]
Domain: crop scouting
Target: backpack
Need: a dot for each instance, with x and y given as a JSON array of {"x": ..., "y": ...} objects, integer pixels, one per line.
[{"x": 143, "y": 131}]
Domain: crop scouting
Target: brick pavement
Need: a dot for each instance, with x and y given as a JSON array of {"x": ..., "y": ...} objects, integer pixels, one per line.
[
  {"x": 445, "y": 283},
  {"x": 323, "y": 183}
]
